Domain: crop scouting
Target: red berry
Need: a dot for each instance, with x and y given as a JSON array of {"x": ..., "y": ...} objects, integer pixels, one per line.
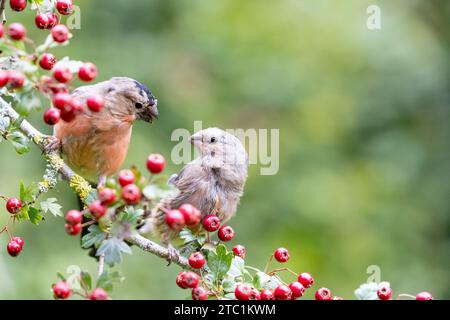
[
  {"x": 190, "y": 280},
  {"x": 18, "y": 240},
  {"x": 226, "y": 233},
  {"x": 99, "y": 294},
  {"x": 191, "y": 214},
  {"x": 240, "y": 251},
  {"x": 156, "y": 163},
  {"x": 13, "y": 205},
  {"x": 53, "y": 20},
  {"x": 47, "y": 61},
  {"x": 14, "y": 248},
  {"x": 62, "y": 101},
  {"x": 59, "y": 88},
  {"x": 60, "y": 33},
  {"x": 42, "y": 20},
  {"x": 17, "y": 31},
  {"x": 64, "y": 7},
  {"x": 175, "y": 219},
  {"x": 197, "y": 260},
  {"x": 323, "y": 294},
  {"x": 74, "y": 217},
  {"x": 126, "y": 177},
  {"x": 131, "y": 194},
  {"x": 242, "y": 292},
  {"x": 52, "y": 116},
  {"x": 4, "y": 77},
  {"x": 62, "y": 74},
  {"x": 254, "y": 294},
  {"x": 306, "y": 279},
  {"x": 87, "y": 72},
  {"x": 281, "y": 255},
  {"x": 107, "y": 196},
  {"x": 211, "y": 223},
  {"x": 199, "y": 293},
  {"x": 2, "y": 31},
  {"x": 61, "y": 290},
  {"x": 266, "y": 294},
  {"x": 16, "y": 79},
  {"x": 97, "y": 209},
  {"x": 95, "y": 103},
  {"x": 424, "y": 296},
  {"x": 282, "y": 292},
  {"x": 384, "y": 291},
  {"x": 180, "y": 278},
  {"x": 297, "y": 289},
  {"x": 18, "y": 5},
  {"x": 73, "y": 229}
]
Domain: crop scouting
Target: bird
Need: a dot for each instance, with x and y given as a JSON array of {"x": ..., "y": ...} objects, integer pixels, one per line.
[
  {"x": 213, "y": 182},
  {"x": 95, "y": 144}
]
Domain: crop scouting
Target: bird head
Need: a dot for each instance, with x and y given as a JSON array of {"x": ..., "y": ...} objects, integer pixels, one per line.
[
  {"x": 136, "y": 96},
  {"x": 219, "y": 148}
]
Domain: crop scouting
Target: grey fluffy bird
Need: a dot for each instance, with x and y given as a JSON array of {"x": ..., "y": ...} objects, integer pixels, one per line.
[{"x": 214, "y": 182}]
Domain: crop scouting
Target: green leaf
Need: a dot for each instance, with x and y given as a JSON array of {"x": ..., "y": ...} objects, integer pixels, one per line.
[
  {"x": 94, "y": 237},
  {"x": 50, "y": 205},
  {"x": 113, "y": 249},
  {"x": 106, "y": 280},
  {"x": 237, "y": 268},
  {"x": 229, "y": 285},
  {"x": 27, "y": 102},
  {"x": 219, "y": 261},
  {"x": 262, "y": 281},
  {"x": 60, "y": 276},
  {"x": 35, "y": 215},
  {"x": 19, "y": 141},
  {"x": 91, "y": 197},
  {"x": 23, "y": 213},
  {"x": 130, "y": 215},
  {"x": 86, "y": 279},
  {"x": 28, "y": 194}
]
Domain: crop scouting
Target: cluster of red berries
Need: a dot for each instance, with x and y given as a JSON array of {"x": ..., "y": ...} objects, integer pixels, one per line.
[
  {"x": 61, "y": 290},
  {"x": 15, "y": 244},
  {"x": 190, "y": 280},
  {"x": 292, "y": 291},
  {"x": 188, "y": 215},
  {"x": 131, "y": 194},
  {"x": 64, "y": 107}
]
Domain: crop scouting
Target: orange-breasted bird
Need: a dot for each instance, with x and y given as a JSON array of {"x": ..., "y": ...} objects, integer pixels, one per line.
[{"x": 95, "y": 144}]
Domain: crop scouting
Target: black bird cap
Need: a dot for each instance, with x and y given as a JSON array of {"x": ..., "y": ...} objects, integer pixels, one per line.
[{"x": 145, "y": 91}]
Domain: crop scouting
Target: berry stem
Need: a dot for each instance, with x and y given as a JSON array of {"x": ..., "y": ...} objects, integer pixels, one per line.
[
  {"x": 270, "y": 273},
  {"x": 2, "y": 11},
  {"x": 268, "y": 263},
  {"x": 406, "y": 295}
]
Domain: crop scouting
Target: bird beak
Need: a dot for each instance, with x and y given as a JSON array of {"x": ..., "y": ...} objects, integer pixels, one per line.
[{"x": 196, "y": 139}]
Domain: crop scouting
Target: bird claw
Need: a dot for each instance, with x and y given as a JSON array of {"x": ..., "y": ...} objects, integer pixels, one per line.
[
  {"x": 174, "y": 255},
  {"x": 51, "y": 145}
]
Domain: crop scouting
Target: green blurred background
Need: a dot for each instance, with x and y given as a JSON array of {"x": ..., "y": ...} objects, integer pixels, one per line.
[{"x": 364, "y": 136}]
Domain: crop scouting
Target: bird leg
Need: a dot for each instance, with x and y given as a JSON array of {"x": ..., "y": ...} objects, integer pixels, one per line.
[{"x": 51, "y": 145}]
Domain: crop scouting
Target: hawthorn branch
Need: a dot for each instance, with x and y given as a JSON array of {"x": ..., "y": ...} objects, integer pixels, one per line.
[{"x": 77, "y": 181}]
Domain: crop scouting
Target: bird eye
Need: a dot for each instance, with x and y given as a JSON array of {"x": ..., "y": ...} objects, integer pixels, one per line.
[
  {"x": 213, "y": 140},
  {"x": 138, "y": 105}
]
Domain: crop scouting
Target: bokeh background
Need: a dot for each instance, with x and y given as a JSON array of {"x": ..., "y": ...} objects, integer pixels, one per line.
[{"x": 364, "y": 136}]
